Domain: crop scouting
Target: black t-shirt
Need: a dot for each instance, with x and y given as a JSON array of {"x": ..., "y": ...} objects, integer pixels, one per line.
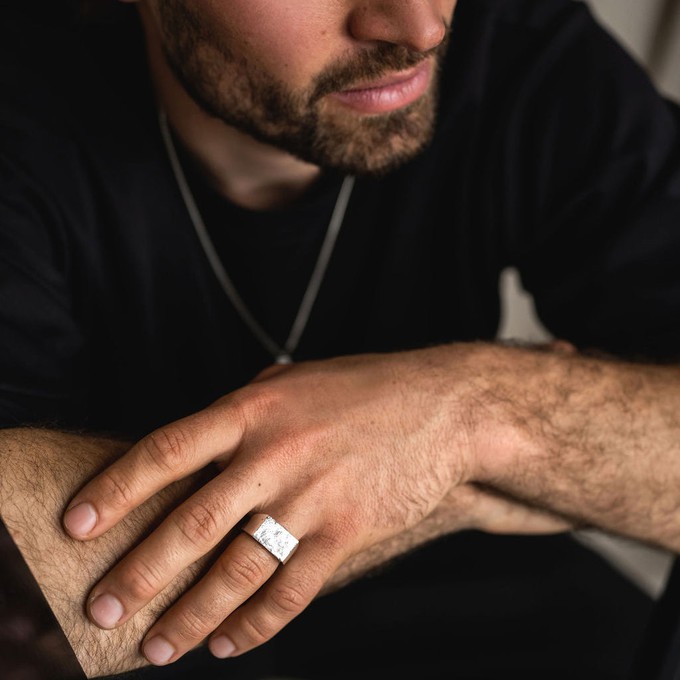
[{"x": 553, "y": 154}]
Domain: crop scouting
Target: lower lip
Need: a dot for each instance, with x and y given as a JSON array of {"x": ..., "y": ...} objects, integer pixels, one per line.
[{"x": 374, "y": 100}]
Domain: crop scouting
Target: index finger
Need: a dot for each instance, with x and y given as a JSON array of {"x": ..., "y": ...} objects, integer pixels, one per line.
[{"x": 166, "y": 455}]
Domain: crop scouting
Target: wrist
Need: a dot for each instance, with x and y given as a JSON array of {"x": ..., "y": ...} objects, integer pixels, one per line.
[
  {"x": 470, "y": 394},
  {"x": 502, "y": 388}
]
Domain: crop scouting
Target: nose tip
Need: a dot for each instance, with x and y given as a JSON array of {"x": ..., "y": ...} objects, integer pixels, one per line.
[
  {"x": 416, "y": 24},
  {"x": 427, "y": 37},
  {"x": 435, "y": 36}
]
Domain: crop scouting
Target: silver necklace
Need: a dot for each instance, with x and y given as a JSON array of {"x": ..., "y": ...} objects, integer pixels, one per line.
[{"x": 282, "y": 355}]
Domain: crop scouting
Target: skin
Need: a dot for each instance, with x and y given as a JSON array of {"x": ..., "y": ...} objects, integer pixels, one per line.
[
  {"x": 354, "y": 464},
  {"x": 352, "y": 454},
  {"x": 263, "y": 113},
  {"x": 39, "y": 470},
  {"x": 261, "y": 123}
]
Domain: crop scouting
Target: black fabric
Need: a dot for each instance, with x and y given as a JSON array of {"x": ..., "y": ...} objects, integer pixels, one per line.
[
  {"x": 658, "y": 655},
  {"x": 553, "y": 154},
  {"x": 284, "y": 243}
]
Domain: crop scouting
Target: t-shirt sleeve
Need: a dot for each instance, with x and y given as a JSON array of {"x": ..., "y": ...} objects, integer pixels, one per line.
[
  {"x": 590, "y": 190},
  {"x": 41, "y": 343}
]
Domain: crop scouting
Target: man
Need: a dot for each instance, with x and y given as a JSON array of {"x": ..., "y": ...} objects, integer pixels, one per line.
[{"x": 251, "y": 255}]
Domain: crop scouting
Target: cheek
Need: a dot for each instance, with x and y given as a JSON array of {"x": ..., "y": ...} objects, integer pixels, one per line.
[{"x": 292, "y": 40}]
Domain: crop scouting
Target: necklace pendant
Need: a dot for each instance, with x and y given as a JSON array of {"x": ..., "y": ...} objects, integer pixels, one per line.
[{"x": 284, "y": 359}]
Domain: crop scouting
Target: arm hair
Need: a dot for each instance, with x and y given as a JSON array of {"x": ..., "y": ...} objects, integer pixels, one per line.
[{"x": 39, "y": 471}]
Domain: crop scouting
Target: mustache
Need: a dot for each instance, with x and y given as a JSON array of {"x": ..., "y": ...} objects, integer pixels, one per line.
[{"x": 370, "y": 65}]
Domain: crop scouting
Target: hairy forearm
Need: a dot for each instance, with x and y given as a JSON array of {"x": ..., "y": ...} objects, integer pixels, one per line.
[
  {"x": 592, "y": 438},
  {"x": 39, "y": 471},
  {"x": 468, "y": 507}
]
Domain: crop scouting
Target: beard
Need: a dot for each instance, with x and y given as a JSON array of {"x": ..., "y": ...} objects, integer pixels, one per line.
[{"x": 243, "y": 95}]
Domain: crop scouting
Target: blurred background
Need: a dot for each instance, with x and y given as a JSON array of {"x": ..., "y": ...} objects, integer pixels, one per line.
[{"x": 650, "y": 30}]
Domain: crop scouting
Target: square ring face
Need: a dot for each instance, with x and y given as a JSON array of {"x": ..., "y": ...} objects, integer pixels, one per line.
[{"x": 276, "y": 539}]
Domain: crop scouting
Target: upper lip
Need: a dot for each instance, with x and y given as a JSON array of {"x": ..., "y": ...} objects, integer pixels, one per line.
[{"x": 388, "y": 80}]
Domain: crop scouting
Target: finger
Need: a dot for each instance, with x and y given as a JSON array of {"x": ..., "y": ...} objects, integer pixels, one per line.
[
  {"x": 162, "y": 457},
  {"x": 500, "y": 514},
  {"x": 240, "y": 571},
  {"x": 287, "y": 593},
  {"x": 189, "y": 533}
]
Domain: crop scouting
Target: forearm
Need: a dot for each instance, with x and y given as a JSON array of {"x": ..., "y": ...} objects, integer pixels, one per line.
[
  {"x": 594, "y": 439},
  {"x": 468, "y": 507},
  {"x": 39, "y": 471}
]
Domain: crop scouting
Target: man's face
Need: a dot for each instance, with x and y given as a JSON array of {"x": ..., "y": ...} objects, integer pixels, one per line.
[{"x": 349, "y": 85}]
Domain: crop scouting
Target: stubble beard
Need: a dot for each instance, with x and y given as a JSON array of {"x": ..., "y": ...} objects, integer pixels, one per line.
[{"x": 246, "y": 97}]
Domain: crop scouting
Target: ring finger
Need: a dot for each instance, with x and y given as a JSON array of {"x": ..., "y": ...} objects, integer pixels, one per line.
[
  {"x": 285, "y": 595},
  {"x": 241, "y": 570}
]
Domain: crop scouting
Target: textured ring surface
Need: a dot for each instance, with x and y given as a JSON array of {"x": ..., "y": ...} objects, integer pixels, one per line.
[{"x": 272, "y": 536}]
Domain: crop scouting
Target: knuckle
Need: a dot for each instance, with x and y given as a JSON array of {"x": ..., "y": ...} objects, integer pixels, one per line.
[
  {"x": 170, "y": 448},
  {"x": 198, "y": 524},
  {"x": 284, "y": 602},
  {"x": 256, "y": 630},
  {"x": 192, "y": 625},
  {"x": 242, "y": 573},
  {"x": 256, "y": 402},
  {"x": 287, "y": 600},
  {"x": 118, "y": 493},
  {"x": 141, "y": 581}
]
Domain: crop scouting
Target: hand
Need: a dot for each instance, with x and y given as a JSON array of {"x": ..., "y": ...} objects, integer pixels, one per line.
[{"x": 347, "y": 454}]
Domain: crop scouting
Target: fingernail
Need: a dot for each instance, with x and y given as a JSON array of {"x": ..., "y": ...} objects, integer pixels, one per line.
[
  {"x": 158, "y": 650},
  {"x": 106, "y": 610},
  {"x": 80, "y": 519},
  {"x": 221, "y": 647}
]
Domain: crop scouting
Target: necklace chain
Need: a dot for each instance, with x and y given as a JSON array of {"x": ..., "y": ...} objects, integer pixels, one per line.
[{"x": 282, "y": 355}]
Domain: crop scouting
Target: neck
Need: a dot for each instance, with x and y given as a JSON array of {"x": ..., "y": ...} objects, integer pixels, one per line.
[{"x": 249, "y": 173}]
